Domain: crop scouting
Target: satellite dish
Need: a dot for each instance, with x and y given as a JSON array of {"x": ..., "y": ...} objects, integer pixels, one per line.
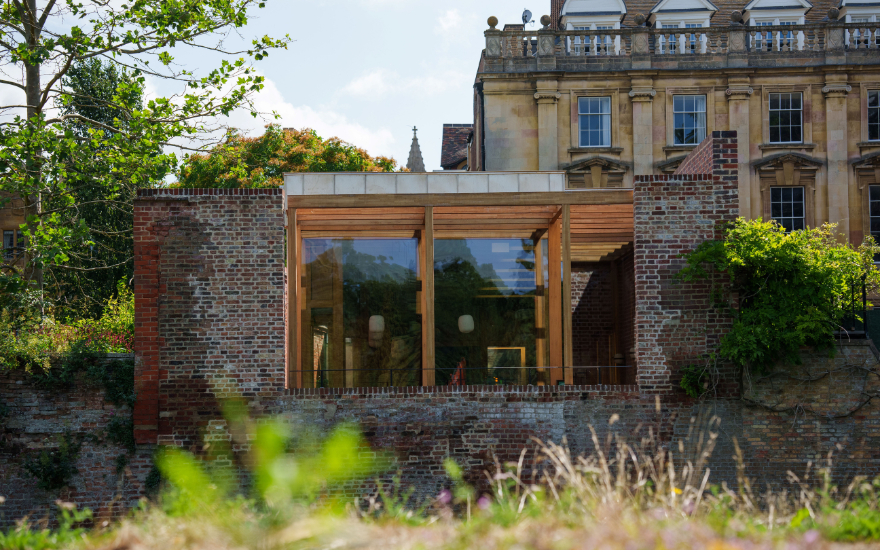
[{"x": 527, "y": 18}]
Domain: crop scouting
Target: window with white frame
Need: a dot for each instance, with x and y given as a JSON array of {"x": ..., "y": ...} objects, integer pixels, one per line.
[
  {"x": 787, "y": 207},
  {"x": 874, "y": 115},
  {"x": 786, "y": 117},
  {"x": 594, "y": 121},
  {"x": 689, "y": 119}
]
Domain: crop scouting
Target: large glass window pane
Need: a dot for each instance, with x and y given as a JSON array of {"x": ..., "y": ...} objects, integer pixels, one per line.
[
  {"x": 490, "y": 311},
  {"x": 361, "y": 321}
]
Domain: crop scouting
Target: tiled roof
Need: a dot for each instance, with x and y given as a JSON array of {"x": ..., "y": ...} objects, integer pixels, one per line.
[
  {"x": 454, "y": 149},
  {"x": 818, "y": 13}
]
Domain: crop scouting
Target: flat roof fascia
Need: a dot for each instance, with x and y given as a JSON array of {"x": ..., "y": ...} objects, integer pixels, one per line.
[{"x": 432, "y": 183}]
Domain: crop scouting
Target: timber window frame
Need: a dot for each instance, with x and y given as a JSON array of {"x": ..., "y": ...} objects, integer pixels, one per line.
[{"x": 565, "y": 222}]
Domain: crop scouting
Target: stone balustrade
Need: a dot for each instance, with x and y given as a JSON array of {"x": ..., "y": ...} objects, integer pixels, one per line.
[{"x": 711, "y": 47}]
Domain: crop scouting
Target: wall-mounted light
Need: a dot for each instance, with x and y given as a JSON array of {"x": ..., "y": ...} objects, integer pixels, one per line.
[
  {"x": 377, "y": 330},
  {"x": 466, "y": 324}
]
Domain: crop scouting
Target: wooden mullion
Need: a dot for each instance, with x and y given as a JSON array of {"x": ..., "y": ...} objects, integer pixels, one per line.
[
  {"x": 292, "y": 301},
  {"x": 555, "y": 328},
  {"x": 428, "y": 353},
  {"x": 566, "y": 295}
]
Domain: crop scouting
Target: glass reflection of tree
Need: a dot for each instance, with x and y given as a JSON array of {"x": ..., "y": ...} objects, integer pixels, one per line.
[
  {"x": 374, "y": 286},
  {"x": 503, "y": 317}
]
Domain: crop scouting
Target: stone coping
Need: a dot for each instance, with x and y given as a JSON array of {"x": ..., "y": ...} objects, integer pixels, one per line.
[
  {"x": 536, "y": 391},
  {"x": 404, "y": 183}
]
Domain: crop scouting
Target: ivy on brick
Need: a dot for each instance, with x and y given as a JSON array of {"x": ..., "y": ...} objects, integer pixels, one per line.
[{"x": 54, "y": 468}]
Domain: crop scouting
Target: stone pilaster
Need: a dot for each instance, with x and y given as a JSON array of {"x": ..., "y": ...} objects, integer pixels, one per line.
[
  {"x": 548, "y": 122},
  {"x": 739, "y": 93},
  {"x": 838, "y": 170},
  {"x": 642, "y": 96}
]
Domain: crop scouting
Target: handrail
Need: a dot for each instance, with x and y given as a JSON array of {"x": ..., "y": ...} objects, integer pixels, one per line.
[{"x": 835, "y": 38}]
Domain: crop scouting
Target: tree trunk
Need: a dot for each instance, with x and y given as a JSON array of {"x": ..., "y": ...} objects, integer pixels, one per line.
[{"x": 33, "y": 93}]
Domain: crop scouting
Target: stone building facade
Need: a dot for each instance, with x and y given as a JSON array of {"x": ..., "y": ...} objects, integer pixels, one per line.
[
  {"x": 607, "y": 92},
  {"x": 12, "y": 217}
]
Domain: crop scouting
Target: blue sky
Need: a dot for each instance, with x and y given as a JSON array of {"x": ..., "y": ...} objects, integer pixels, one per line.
[{"x": 367, "y": 71}]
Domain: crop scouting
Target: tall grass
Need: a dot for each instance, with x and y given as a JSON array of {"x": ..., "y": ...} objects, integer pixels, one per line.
[{"x": 623, "y": 494}]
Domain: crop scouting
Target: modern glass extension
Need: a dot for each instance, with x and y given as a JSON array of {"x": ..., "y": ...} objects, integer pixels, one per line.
[{"x": 471, "y": 295}]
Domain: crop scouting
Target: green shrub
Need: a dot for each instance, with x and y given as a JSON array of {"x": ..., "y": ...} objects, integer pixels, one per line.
[
  {"x": 694, "y": 380},
  {"x": 68, "y": 532},
  {"x": 784, "y": 290}
]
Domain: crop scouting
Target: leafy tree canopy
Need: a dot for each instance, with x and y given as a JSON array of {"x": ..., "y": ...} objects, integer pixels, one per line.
[
  {"x": 54, "y": 134},
  {"x": 251, "y": 162},
  {"x": 790, "y": 289},
  {"x": 81, "y": 286}
]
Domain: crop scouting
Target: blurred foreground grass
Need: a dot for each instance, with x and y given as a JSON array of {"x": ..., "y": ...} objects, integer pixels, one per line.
[{"x": 629, "y": 496}]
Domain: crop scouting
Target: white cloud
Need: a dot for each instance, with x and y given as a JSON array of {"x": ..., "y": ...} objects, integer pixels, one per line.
[
  {"x": 457, "y": 30},
  {"x": 381, "y": 83},
  {"x": 327, "y": 122}
]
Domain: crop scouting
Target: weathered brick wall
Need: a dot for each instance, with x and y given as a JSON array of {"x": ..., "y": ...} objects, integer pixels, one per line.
[
  {"x": 592, "y": 318},
  {"x": 209, "y": 306},
  {"x": 33, "y": 419},
  {"x": 473, "y": 425},
  {"x": 675, "y": 322},
  {"x": 699, "y": 161},
  {"x": 628, "y": 312}
]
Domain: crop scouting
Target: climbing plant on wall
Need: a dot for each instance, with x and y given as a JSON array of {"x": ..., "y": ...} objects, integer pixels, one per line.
[{"x": 784, "y": 290}]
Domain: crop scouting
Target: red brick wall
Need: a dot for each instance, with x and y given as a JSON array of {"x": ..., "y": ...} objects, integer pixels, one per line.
[
  {"x": 676, "y": 323},
  {"x": 699, "y": 161},
  {"x": 627, "y": 290},
  {"x": 209, "y": 297},
  {"x": 592, "y": 316}
]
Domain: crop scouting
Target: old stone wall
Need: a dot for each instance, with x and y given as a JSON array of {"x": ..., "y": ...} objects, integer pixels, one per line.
[{"x": 34, "y": 419}]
